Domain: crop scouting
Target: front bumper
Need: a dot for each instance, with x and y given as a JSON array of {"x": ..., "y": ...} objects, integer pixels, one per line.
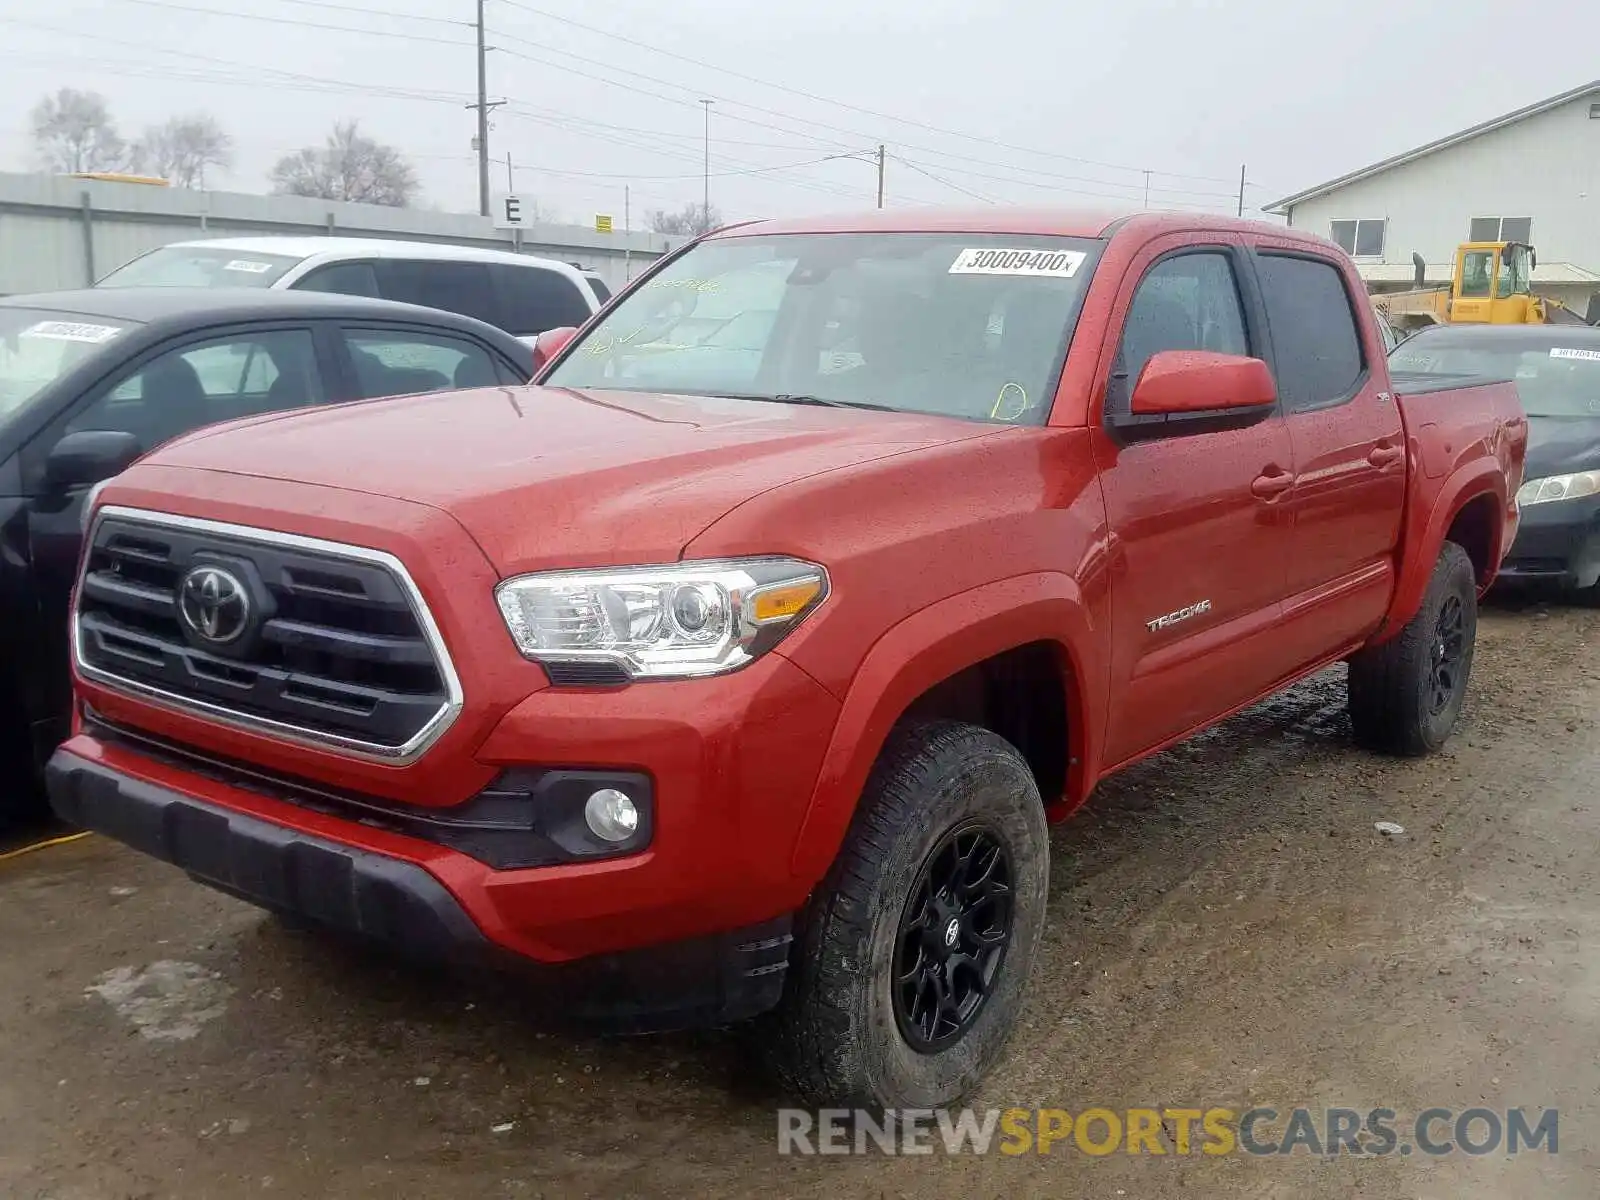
[
  {"x": 1556, "y": 543},
  {"x": 692, "y": 982}
]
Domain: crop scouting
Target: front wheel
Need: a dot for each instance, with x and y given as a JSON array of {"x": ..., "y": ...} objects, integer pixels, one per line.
[
  {"x": 1405, "y": 695},
  {"x": 912, "y": 960}
]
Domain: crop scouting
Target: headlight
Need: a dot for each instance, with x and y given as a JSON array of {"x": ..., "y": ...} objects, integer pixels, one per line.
[
  {"x": 1558, "y": 487},
  {"x": 672, "y": 622}
]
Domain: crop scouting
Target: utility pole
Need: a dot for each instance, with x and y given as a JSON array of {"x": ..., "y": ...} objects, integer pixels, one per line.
[
  {"x": 1146, "y": 181},
  {"x": 627, "y": 235},
  {"x": 483, "y": 119},
  {"x": 511, "y": 180},
  {"x": 1241, "y": 191},
  {"x": 880, "y": 174},
  {"x": 705, "y": 205}
]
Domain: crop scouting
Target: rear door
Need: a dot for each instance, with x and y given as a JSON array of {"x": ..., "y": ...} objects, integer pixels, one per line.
[
  {"x": 1349, "y": 447},
  {"x": 1199, "y": 533}
]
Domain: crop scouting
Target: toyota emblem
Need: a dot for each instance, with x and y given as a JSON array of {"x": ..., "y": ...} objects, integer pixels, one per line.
[{"x": 214, "y": 605}]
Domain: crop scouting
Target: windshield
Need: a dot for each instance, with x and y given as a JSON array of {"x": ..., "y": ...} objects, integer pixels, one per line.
[
  {"x": 201, "y": 266},
  {"x": 967, "y": 325},
  {"x": 37, "y": 347},
  {"x": 1560, "y": 380}
]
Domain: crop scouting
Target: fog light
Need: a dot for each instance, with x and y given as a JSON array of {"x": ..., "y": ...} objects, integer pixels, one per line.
[{"x": 610, "y": 815}]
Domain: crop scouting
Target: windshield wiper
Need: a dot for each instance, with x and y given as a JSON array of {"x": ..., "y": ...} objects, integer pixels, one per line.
[{"x": 796, "y": 398}]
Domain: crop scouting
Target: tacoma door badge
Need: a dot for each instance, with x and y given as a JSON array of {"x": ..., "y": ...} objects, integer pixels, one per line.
[{"x": 1183, "y": 614}]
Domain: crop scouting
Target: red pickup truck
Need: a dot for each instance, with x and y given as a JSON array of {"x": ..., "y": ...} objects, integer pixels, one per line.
[{"x": 739, "y": 668}]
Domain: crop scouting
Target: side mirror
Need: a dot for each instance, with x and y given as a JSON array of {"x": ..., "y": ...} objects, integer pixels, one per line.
[
  {"x": 1198, "y": 391},
  {"x": 550, "y": 343},
  {"x": 89, "y": 456}
]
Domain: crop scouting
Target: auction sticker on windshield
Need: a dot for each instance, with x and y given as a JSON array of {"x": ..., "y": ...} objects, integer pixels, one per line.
[
  {"x": 71, "y": 331},
  {"x": 1055, "y": 264},
  {"x": 248, "y": 266},
  {"x": 1585, "y": 355}
]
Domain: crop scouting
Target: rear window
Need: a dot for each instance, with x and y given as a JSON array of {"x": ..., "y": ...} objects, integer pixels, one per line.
[
  {"x": 201, "y": 266},
  {"x": 458, "y": 287},
  {"x": 536, "y": 299},
  {"x": 1315, "y": 338}
]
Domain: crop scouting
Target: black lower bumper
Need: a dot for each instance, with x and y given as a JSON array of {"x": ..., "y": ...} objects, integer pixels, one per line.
[
  {"x": 704, "y": 981},
  {"x": 1556, "y": 543}
]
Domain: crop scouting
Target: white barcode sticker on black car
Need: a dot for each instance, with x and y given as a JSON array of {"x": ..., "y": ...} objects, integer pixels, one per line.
[
  {"x": 1055, "y": 264},
  {"x": 72, "y": 331}
]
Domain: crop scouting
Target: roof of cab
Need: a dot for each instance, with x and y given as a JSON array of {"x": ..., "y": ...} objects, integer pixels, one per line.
[
  {"x": 306, "y": 247},
  {"x": 1044, "y": 222}
]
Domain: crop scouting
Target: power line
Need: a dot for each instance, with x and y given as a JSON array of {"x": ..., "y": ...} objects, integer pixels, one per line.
[
  {"x": 833, "y": 142},
  {"x": 987, "y": 141},
  {"x": 953, "y": 186},
  {"x": 300, "y": 22},
  {"x": 1028, "y": 183}
]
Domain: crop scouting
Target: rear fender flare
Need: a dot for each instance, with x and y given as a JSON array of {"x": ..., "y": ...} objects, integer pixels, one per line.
[
  {"x": 1482, "y": 477},
  {"x": 928, "y": 647}
]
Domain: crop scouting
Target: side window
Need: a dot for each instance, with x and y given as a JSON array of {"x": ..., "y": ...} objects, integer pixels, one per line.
[
  {"x": 458, "y": 287},
  {"x": 598, "y": 286},
  {"x": 402, "y": 362},
  {"x": 1187, "y": 302},
  {"x": 202, "y": 383},
  {"x": 1315, "y": 338},
  {"x": 344, "y": 279},
  {"x": 534, "y": 300}
]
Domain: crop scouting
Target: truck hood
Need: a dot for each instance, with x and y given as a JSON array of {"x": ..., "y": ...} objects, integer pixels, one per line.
[{"x": 552, "y": 477}]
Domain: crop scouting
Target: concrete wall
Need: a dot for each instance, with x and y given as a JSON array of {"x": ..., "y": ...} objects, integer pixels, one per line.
[
  {"x": 58, "y": 232},
  {"x": 1546, "y": 167}
]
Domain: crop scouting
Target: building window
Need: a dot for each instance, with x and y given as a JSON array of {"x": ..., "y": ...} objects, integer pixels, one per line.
[
  {"x": 1500, "y": 229},
  {"x": 1360, "y": 239}
]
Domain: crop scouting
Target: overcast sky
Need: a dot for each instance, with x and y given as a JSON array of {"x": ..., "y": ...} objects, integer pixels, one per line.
[{"x": 1015, "y": 101}]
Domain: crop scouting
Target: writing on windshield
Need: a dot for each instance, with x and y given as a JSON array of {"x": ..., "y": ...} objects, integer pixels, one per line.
[{"x": 966, "y": 325}]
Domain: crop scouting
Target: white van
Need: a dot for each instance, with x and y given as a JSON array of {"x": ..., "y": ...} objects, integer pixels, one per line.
[{"x": 519, "y": 293}]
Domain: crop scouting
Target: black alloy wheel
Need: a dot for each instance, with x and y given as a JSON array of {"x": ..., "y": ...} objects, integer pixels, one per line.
[{"x": 953, "y": 937}]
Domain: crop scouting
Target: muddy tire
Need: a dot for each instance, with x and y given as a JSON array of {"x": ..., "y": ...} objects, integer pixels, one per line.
[
  {"x": 1406, "y": 694},
  {"x": 911, "y": 961}
]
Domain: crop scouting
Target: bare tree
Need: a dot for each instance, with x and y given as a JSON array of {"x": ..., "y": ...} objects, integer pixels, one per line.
[
  {"x": 73, "y": 131},
  {"x": 349, "y": 166},
  {"x": 691, "y": 220},
  {"x": 181, "y": 150}
]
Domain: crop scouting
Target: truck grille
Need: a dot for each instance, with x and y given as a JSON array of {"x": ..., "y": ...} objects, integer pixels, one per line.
[{"x": 311, "y": 641}]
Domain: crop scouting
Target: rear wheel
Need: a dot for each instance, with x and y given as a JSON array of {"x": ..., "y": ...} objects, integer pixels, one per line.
[
  {"x": 912, "y": 961},
  {"x": 1406, "y": 695}
]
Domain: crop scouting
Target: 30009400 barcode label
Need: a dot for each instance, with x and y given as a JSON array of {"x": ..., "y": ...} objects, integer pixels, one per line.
[{"x": 1000, "y": 260}]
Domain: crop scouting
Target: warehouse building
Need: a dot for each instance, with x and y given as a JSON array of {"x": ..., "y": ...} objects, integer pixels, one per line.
[{"x": 1532, "y": 175}]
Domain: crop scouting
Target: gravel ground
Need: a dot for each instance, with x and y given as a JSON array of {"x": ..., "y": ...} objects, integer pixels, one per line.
[{"x": 1227, "y": 930}]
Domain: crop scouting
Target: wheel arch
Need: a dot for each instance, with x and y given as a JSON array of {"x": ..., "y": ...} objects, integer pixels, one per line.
[
  {"x": 928, "y": 664},
  {"x": 1470, "y": 504}
]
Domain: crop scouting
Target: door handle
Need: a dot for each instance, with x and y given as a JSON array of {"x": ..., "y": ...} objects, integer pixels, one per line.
[
  {"x": 1382, "y": 455},
  {"x": 1271, "y": 484}
]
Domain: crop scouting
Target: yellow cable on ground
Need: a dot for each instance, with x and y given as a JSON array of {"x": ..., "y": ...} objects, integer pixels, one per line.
[{"x": 44, "y": 845}]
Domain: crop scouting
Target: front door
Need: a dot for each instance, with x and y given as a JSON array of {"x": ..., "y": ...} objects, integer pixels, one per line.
[{"x": 1200, "y": 533}]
